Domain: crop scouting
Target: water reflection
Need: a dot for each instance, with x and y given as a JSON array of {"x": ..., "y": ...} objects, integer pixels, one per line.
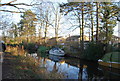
[
  {"x": 89, "y": 70},
  {"x": 55, "y": 58},
  {"x": 72, "y": 68}
]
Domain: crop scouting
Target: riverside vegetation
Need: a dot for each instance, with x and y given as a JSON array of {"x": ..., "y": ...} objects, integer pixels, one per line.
[{"x": 24, "y": 67}]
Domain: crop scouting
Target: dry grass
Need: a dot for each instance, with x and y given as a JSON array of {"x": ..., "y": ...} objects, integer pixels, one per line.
[
  {"x": 26, "y": 67},
  {"x": 30, "y": 65},
  {"x": 15, "y": 50}
]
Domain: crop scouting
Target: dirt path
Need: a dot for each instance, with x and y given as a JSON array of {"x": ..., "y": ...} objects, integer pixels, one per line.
[
  {"x": 7, "y": 71},
  {"x": 14, "y": 68}
]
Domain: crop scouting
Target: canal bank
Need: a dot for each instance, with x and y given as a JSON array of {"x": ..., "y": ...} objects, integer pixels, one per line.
[
  {"x": 44, "y": 66},
  {"x": 54, "y": 68},
  {"x": 21, "y": 67},
  {"x": 74, "y": 68}
]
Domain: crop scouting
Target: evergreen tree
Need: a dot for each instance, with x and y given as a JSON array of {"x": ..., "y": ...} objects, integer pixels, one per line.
[
  {"x": 27, "y": 25},
  {"x": 81, "y": 10},
  {"x": 109, "y": 18}
]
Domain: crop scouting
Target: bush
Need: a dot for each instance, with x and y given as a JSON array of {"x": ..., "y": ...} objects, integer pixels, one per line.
[
  {"x": 30, "y": 47},
  {"x": 116, "y": 47},
  {"x": 113, "y": 48},
  {"x": 43, "y": 49},
  {"x": 94, "y": 51}
]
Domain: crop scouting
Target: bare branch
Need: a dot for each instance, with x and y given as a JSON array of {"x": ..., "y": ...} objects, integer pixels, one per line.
[
  {"x": 75, "y": 28},
  {"x": 15, "y": 6},
  {"x": 11, "y": 11},
  {"x": 12, "y": 1},
  {"x": 9, "y": 4}
]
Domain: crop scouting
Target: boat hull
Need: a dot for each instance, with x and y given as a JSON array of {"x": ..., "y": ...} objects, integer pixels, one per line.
[
  {"x": 112, "y": 65},
  {"x": 57, "y": 54}
]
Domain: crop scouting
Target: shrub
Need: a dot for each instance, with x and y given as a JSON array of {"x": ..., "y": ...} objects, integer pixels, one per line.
[
  {"x": 116, "y": 47},
  {"x": 113, "y": 48},
  {"x": 30, "y": 47},
  {"x": 94, "y": 51},
  {"x": 43, "y": 49}
]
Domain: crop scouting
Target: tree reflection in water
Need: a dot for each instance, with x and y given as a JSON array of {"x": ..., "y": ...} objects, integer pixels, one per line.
[
  {"x": 72, "y": 68},
  {"x": 89, "y": 71},
  {"x": 55, "y": 69}
]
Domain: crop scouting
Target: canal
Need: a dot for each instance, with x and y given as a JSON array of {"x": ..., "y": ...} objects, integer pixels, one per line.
[{"x": 73, "y": 68}]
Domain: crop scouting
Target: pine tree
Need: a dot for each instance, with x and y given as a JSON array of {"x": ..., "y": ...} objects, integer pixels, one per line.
[
  {"x": 109, "y": 18},
  {"x": 27, "y": 25},
  {"x": 80, "y": 9}
]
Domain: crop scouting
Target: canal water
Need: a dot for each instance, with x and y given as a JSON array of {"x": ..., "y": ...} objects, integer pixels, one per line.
[{"x": 73, "y": 68}]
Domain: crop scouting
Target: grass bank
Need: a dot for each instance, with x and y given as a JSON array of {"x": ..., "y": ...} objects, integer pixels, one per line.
[
  {"x": 27, "y": 68},
  {"x": 20, "y": 66}
]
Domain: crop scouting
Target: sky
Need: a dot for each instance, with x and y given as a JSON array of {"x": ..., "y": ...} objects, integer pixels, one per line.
[{"x": 65, "y": 32}]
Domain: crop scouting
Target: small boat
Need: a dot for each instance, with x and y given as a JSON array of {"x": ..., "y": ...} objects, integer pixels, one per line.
[
  {"x": 110, "y": 60},
  {"x": 57, "y": 51}
]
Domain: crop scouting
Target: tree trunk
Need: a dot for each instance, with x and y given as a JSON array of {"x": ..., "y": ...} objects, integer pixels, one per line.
[
  {"x": 45, "y": 33},
  {"x": 92, "y": 31},
  {"x": 82, "y": 33},
  {"x": 107, "y": 41},
  {"x": 40, "y": 34},
  {"x": 56, "y": 30},
  {"x": 57, "y": 21},
  {"x": 80, "y": 29},
  {"x": 97, "y": 21}
]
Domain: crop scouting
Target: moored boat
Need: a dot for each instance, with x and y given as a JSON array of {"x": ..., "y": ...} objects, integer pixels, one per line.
[
  {"x": 110, "y": 64},
  {"x": 57, "y": 51},
  {"x": 111, "y": 60}
]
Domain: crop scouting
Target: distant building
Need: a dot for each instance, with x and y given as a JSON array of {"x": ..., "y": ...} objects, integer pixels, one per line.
[
  {"x": 60, "y": 41},
  {"x": 74, "y": 40},
  {"x": 115, "y": 39}
]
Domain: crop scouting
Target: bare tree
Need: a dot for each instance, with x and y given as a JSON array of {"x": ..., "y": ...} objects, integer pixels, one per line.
[
  {"x": 44, "y": 17},
  {"x": 57, "y": 19},
  {"x": 15, "y": 5}
]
